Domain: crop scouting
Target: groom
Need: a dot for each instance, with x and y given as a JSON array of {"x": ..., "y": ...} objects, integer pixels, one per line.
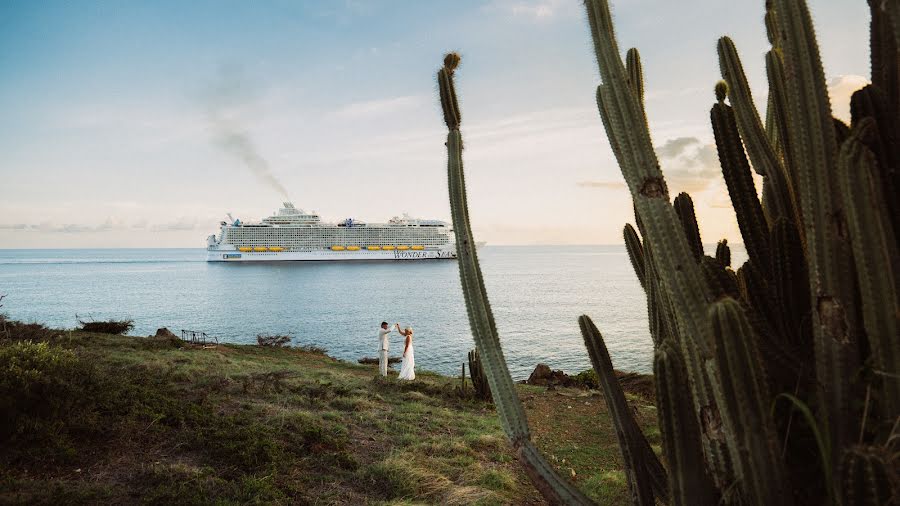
[{"x": 383, "y": 348}]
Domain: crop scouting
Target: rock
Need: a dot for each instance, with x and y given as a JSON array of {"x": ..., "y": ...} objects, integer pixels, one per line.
[
  {"x": 544, "y": 376},
  {"x": 165, "y": 333},
  {"x": 540, "y": 375}
]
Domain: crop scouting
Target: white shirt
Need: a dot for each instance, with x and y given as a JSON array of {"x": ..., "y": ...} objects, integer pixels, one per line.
[{"x": 383, "y": 337}]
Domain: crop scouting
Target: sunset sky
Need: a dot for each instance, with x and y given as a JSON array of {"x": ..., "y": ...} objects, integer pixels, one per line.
[{"x": 140, "y": 124}]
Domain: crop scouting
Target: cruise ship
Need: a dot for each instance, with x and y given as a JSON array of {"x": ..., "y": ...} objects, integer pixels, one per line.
[{"x": 293, "y": 234}]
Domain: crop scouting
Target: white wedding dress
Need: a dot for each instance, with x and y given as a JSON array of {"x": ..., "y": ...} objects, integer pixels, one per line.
[{"x": 408, "y": 368}]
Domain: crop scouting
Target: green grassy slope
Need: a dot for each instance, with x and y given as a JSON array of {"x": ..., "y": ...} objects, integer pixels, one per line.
[{"x": 113, "y": 419}]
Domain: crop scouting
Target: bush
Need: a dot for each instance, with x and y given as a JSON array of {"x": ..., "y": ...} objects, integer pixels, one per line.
[
  {"x": 108, "y": 327},
  {"x": 587, "y": 379},
  {"x": 19, "y": 331},
  {"x": 41, "y": 390},
  {"x": 275, "y": 341}
]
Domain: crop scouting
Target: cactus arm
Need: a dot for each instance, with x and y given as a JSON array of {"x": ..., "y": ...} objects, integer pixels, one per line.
[
  {"x": 643, "y": 470},
  {"x": 872, "y": 102},
  {"x": 789, "y": 281},
  {"x": 883, "y": 48},
  {"x": 681, "y": 281},
  {"x": 684, "y": 207},
  {"x": 740, "y": 388},
  {"x": 752, "y": 222},
  {"x": 512, "y": 415},
  {"x": 876, "y": 257},
  {"x": 723, "y": 253},
  {"x": 778, "y": 123},
  {"x": 635, "y": 73},
  {"x": 689, "y": 482},
  {"x": 635, "y": 253},
  {"x": 623, "y": 119},
  {"x": 657, "y": 307},
  {"x": 762, "y": 154},
  {"x": 720, "y": 282},
  {"x": 866, "y": 477},
  {"x": 814, "y": 151}
]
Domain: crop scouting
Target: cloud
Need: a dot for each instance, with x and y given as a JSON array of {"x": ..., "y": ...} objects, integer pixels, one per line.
[
  {"x": 688, "y": 165},
  {"x": 110, "y": 225},
  {"x": 674, "y": 147},
  {"x": 378, "y": 107},
  {"x": 181, "y": 224},
  {"x": 840, "y": 89}
]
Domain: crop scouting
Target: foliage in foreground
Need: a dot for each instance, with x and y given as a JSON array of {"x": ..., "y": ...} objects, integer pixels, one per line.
[{"x": 778, "y": 383}]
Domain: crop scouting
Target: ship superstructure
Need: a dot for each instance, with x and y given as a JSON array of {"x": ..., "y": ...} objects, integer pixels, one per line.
[{"x": 293, "y": 234}]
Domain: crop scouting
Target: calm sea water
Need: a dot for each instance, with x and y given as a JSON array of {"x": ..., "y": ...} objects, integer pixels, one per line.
[{"x": 537, "y": 293}]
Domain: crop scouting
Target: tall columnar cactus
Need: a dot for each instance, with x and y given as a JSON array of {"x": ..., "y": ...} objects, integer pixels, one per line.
[
  {"x": 481, "y": 319},
  {"x": 479, "y": 379},
  {"x": 777, "y": 382},
  {"x": 812, "y": 330}
]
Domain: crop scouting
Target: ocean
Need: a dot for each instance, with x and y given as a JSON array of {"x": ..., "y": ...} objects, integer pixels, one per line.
[{"x": 536, "y": 292}]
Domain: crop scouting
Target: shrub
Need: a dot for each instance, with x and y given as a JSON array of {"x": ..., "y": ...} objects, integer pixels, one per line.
[
  {"x": 275, "y": 341},
  {"x": 107, "y": 327},
  {"x": 41, "y": 390}
]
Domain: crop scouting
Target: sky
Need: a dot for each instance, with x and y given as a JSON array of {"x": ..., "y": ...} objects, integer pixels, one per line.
[{"x": 140, "y": 124}]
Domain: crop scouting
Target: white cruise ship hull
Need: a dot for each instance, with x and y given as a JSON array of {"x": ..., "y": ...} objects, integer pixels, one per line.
[
  {"x": 221, "y": 255},
  {"x": 292, "y": 234}
]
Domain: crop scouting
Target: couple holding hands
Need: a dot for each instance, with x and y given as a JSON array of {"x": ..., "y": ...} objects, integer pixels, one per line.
[{"x": 407, "y": 369}]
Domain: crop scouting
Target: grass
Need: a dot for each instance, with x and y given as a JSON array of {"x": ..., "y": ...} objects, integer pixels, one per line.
[{"x": 118, "y": 419}]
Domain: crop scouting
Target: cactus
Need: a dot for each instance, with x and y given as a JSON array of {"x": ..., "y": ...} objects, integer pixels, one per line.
[
  {"x": 481, "y": 319},
  {"x": 812, "y": 317},
  {"x": 723, "y": 253},
  {"x": 877, "y": 259},
  {"x": 479, "y": 379},
  {"x": 736, "y": 169},
  {"x": 867, "y": 477},
  {"x": 684, "y": 206}
]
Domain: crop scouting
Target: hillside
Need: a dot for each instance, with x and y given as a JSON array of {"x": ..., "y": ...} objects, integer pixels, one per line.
[{"x": 118, "y": 419}]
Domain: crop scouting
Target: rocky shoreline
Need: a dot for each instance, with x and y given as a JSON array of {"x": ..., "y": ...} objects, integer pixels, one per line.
[{"x": 636, "y": 383}]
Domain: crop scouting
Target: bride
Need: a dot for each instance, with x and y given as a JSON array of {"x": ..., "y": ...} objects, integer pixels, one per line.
[{"x": 407, "y": 369}]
